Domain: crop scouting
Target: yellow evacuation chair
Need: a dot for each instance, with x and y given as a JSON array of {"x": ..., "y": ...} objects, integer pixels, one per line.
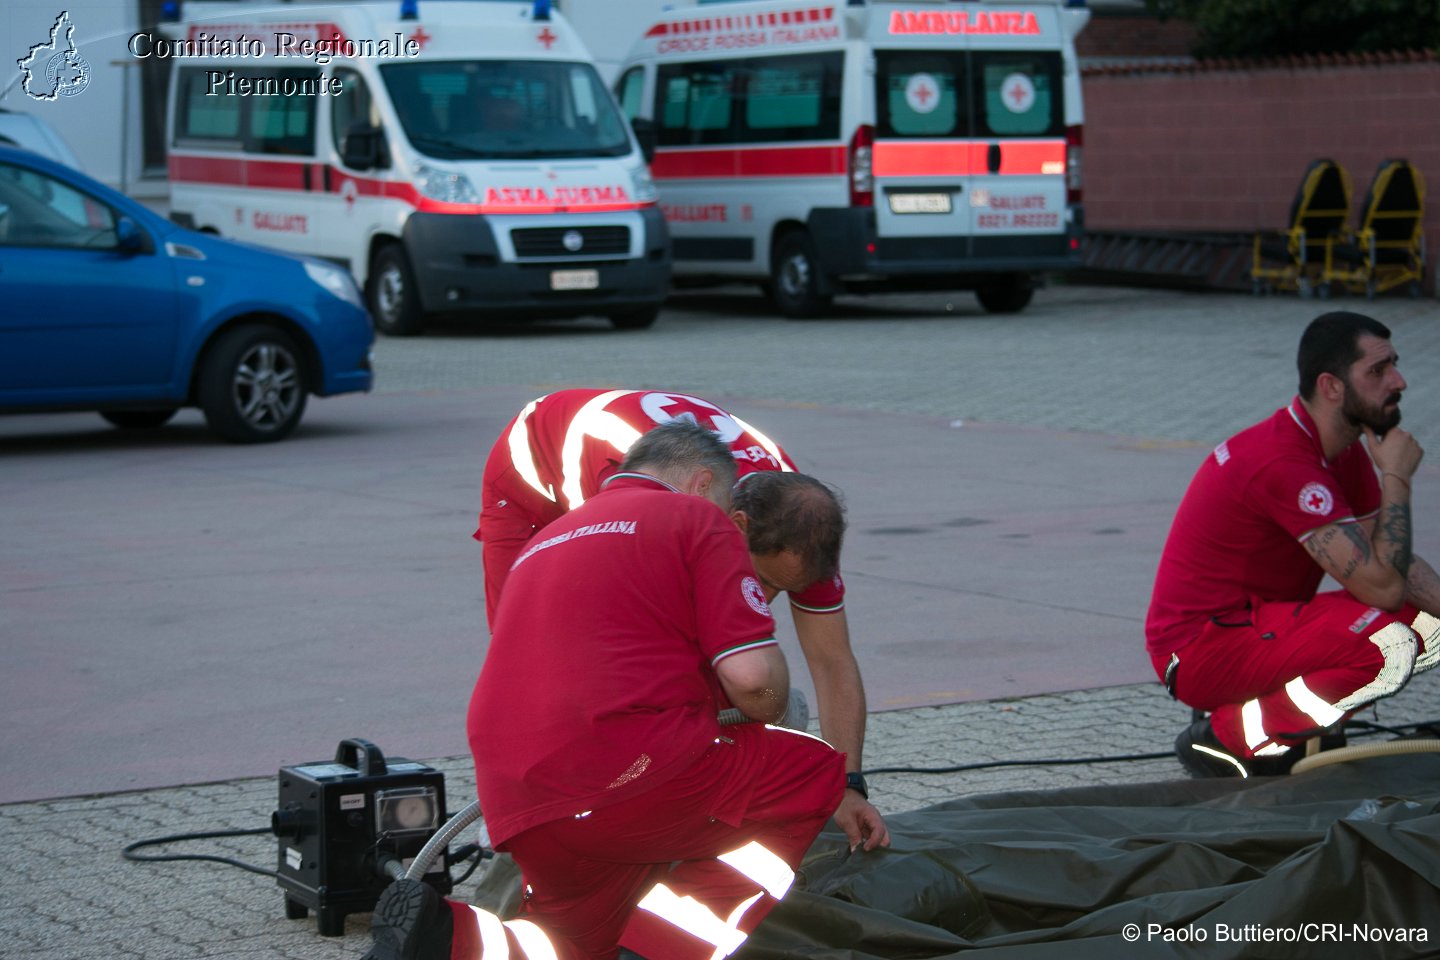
[
  {"x": 1299, "y": 257},
  {"x": 1388, "y": 249}
]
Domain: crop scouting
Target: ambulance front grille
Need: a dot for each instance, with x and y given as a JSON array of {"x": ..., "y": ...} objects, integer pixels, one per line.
[{"x": 535, "y": 242}]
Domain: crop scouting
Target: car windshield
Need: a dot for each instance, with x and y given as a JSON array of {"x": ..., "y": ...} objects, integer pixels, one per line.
[{"x": 506, "y": 109}]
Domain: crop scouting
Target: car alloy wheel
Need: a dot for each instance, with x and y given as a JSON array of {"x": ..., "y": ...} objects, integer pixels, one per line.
[{"x": 253, "y": 385}]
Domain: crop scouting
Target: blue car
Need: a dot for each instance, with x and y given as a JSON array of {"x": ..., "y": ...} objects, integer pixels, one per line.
[{"x": 107, "y": 306}]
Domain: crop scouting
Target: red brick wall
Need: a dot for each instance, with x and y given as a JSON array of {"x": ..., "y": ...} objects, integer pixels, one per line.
[{"x": 1224, "y": 149}]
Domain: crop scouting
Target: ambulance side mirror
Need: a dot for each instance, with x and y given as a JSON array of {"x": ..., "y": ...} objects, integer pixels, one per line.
[
  {"x": 646, "y": 134},
  {"x": 364, "y": 148}
]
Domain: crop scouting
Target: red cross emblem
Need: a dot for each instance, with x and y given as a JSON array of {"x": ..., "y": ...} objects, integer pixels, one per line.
[
  {"x": 420, "y": 37},
  {"x": 923, "y": 93},
  {"x": 547, "y": 38},
  {"x": 1316, "y": 499},
  {"x": 1018, "y": 93}
]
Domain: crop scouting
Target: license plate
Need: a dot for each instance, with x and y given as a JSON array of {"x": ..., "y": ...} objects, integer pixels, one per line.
[
  {"x": 574, "y": 279},
  {"x": 919, "y": 203}
]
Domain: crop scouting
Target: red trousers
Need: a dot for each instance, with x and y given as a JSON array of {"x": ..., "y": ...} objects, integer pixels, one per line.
[
  {"x": 1279, "y": 673},
  {"x": 688, "y": 868},
  {"x": 510, "y": 514}
]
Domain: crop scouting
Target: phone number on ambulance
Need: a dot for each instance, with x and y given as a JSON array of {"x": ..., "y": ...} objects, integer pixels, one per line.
[{"x": 1000, "y": 221}]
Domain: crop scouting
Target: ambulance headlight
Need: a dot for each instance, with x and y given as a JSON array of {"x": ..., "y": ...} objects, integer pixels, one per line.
[
  {"x": 643, "y": 184},
  {"x": 335, "y": 280},
  {"x": 448, "y": 186}
]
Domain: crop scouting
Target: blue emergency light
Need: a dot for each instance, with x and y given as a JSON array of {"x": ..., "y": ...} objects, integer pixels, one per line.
[
  {"x": 541, "y": 10},
  {"x": 409, "y": 9}
]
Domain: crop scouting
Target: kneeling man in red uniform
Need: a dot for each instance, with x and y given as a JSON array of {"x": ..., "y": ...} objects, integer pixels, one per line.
[
  {"x": 1236, "y": 626},
  {"x": 636, "y": 819}
]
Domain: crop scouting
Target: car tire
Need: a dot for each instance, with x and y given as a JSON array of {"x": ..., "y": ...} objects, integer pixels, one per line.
[
  {"x": 393, "y": 295},
  {"x": 252, "y": 385},
  {"x": 138, "y": 419},
  {"x": 641, "y": 319},
  {"x": 1010, "y": 295},
  {"x": 795, "y": 277}
]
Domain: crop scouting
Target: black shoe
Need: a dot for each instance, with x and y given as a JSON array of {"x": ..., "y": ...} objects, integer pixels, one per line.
[
  {"x": 1202, "y": 754},
  {"x": 411, "y": 922}
]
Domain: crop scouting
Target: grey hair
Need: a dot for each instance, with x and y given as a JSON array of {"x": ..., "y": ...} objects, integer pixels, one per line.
[{"x": 681, "y": 445}]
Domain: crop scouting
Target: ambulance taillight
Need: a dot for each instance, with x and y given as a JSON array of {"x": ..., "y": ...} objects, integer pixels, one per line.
[
  {"x": 862, "y": 176},
  {"x": 1074, "y": 154}
]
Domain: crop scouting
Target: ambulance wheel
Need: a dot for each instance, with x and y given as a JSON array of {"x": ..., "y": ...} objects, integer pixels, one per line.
[
  {"x": 1010, "y": 295},
  {"x": 640, "y": 319},
  {"x": 394, "y": 297},
  {"x": 795, "y": 277},
  {"x": 252, "y": 385}
]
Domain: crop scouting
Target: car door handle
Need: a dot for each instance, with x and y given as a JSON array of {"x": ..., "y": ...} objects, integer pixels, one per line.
[{"x": 992, "y": 158}]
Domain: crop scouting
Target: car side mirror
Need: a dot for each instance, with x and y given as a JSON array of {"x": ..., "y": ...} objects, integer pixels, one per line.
[
  {"x": 364, "y": 148},
  {"x": 128, "y": 236},
  {"x": 647, "y": 134}
]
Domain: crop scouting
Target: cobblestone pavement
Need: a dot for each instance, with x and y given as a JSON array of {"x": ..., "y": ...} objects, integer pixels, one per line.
[
  {"x": 1142, "y": 363},
  {"x": 1166, "y": 366}
]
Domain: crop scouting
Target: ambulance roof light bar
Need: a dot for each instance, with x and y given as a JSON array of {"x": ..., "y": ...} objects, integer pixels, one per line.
[
  {"x": 409, "y": 9},
  {"x": 541, "y": 11}
]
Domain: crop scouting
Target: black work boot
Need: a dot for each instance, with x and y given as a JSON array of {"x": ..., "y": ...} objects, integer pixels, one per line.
[
  {"x": 1203, "y": 755},
  {"x": 411, "y": 922}
]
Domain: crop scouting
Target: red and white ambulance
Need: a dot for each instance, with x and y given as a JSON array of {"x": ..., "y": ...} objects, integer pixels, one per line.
[
  {"x": 824, "y": 147},
  {"x": 459, "y": 158}
]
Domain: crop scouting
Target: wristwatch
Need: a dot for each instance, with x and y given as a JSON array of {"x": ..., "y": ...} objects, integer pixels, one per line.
[{"x": 856, "y": 782}]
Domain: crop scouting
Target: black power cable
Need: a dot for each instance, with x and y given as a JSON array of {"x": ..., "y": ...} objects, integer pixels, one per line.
[
  {"x": 129, "y": 852},
  {"x": 1052, "y": 762},
  {"x": 1356, "y": 727}
]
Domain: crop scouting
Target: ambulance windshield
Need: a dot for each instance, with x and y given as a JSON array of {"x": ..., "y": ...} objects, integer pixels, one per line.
[{"x": 505, "y": 109}]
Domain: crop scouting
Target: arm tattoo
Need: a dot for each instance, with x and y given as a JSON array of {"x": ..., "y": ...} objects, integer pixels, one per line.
[
  {"x": 1361, "y": 554},
  {"x": 1395, "y": 529},
  {"x": 1318, "y": 546}
]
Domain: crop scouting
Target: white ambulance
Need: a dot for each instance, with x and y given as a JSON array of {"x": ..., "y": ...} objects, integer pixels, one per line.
[
  {"x": 825, "y": 147},
  {"x": 459, "y": 158}
]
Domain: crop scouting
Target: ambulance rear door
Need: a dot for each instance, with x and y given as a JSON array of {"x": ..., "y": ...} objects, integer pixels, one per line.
[
  {"x": 921, "y": 156},
  {"x": 1018, "y": 179},
  {"x": 969, "y": 152}
]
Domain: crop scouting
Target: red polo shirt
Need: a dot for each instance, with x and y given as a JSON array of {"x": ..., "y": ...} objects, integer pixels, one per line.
[
  {"x": 600, "y": 679},
  {"x": 1238, "y": 537}
]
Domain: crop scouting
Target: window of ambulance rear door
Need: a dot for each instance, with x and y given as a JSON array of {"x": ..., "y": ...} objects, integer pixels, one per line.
[{"x": 1017, "y": 193}]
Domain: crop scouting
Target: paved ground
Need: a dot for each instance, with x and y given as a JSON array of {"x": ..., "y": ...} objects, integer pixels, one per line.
[{"x": 1149, "y": 379}]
